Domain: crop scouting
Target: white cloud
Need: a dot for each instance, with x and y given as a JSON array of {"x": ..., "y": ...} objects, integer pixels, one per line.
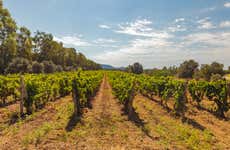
[
  {"x": 141, "y": 28},
  {"x": 210, "y": 40},
  {"x": 141, "y": 49},
  {"x": 102, "y": 41},
  {"x": 178, "y": 25},
  {"x": 205, "y": 10},
  {"x": 160, "y": 52},
  {"x": 72, "y": 41},
  {"x": 148, "y": 53},
  {"x": 225, "y": 24},
  {"x": 227, "y": 5},
  {"x": 103, "y": 26},
  {"x": 176, "y": 28},
  {"x": 179, "y": 20},
  {"x": 205, "y": 23}
]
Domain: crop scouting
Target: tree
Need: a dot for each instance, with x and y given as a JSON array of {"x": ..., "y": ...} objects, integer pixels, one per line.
[
  {"x": 7, "y": 52},
  {"x": 137, "y": 68},
  {"x": 7, "y": 38},
  {"x": 40, "y": 39},
  {"x": 187, "y": 69},
  {"x": 17, "y": 43},
  {"x": 215, "y": 68},
  {"x": 24, "y": 44},
  {"x": 19, "y": 65}
]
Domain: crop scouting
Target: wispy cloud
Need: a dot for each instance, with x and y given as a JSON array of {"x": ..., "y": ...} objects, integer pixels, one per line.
[
  {"x": 209, "y": 9},
  {"x": 103, "y": 26},
  {"x": 158, "y": 51},
  {"x": 176, "y": 28},
  {"x": 208, "y": 39},
  {"x": 205, "y": 23},
  {"x": 227, "y": 4},
  {"x": 225, "y": 24},
  {"x": 148, "y": 43},
  {"x": 102, "y": 41},
  {"x": 178, "y": 25},
  {"x": 179, "y": 20},
  {"x": 143, "y": 49},
  {"x": 141, "y": 27},
  {"x": 72, "y": 41}
]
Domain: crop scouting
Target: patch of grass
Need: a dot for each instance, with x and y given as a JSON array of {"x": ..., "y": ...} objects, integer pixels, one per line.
[
  {"x": 3, "y": 126},
  {"x": 5, "y": 112},
  {"x": 36, "y": 135},
  {"x": 172, "y": 132},
  {"x": 184, "y": 134},
  {"x": 8, "y": 129},
  {"x": 164, "y": 144},
  {"x": 124, "y": 135},
  {"x": 62, "y": 136}
]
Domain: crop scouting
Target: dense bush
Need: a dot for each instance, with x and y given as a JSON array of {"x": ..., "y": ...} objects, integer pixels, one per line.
[
  {"x": 216, "y": 77},
  {"x": 59, "y": 68},
  {"x": 37, "y": 67},
  {"x": 19, "y": 65},
  {"x": 49, "y": 66}
]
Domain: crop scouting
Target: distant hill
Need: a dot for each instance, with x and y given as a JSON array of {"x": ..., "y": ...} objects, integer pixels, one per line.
[{"x": 109, "y": 67}]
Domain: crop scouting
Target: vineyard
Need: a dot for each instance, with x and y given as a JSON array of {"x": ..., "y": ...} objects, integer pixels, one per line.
[
  {"x": 36, "y": 90},
  {"x": 80, "y": 109}
]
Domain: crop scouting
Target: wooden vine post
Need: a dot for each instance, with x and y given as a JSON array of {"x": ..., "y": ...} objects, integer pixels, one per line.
[{"x": 23, "y": 94}]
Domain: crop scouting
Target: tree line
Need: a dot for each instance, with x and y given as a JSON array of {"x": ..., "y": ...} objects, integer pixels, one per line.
[
  {"x": 20, "y": 52},
  {"x": 188, "y": 69},
  {"x": 191, "y": 69}
]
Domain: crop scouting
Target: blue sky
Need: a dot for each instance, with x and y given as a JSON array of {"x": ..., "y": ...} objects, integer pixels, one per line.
[{"x": 155, "y": 33}]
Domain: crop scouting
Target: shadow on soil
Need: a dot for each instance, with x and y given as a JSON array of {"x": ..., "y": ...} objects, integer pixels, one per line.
[
  {"x": 7, "y": 104},
  {"x": 74, "y": 120},
  {"x": 214, "y": 113},
  {"x": 193, "y": 123},
  {"x": 187, "y": 120},
  {"x": 134, "y": 118}
]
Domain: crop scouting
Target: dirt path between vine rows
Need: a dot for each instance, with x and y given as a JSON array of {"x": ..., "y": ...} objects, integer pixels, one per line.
[{"x": 109, "y": 129}]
